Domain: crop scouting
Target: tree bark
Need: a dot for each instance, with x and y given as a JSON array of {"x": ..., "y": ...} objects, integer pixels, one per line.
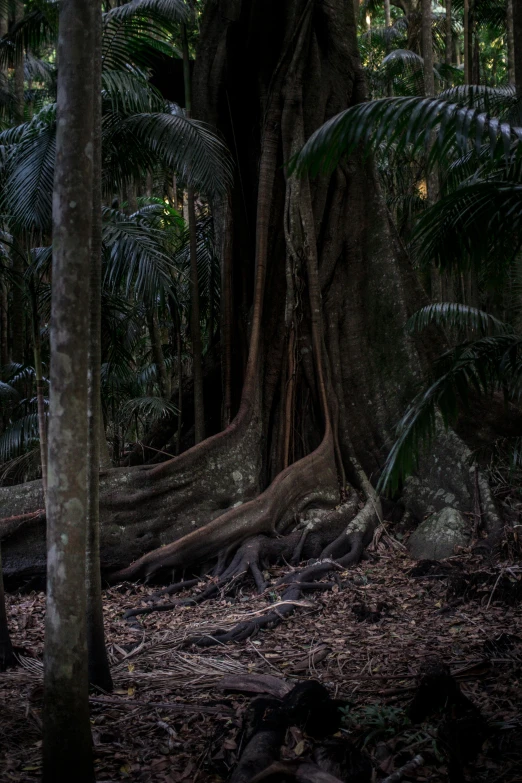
[
  {"x": 19, "y": 100},
  {"x": 4, "y": 325},
  {"x": 510, "y": 42},
  {"x": 517, "y": 44},
  {"x": 157, "y": 352},
  {"x": 99, "y": 669},
  {"x": 195, "y": 325},
  {"x": 7, "y": 657},
  {"x": 427, "y": 49},
  {"x": 449, "y": 35},
  {"x": 40, "y": 401},
  {"x": 468, "y": 50},
  {"x": 67, "y": 743}
]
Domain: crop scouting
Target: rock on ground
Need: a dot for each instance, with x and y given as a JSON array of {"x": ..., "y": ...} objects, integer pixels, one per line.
[{"x": 437, "y": 537}]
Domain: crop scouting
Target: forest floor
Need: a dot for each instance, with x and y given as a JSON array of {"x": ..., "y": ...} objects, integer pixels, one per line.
[{"x": 172, "y": 719}]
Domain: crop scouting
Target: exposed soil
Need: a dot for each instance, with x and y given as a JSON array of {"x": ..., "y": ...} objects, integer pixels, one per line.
[{"x": 367, "y": 640}]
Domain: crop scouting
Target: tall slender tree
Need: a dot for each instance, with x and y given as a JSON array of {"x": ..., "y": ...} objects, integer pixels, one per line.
[
  {"x": 99, "y": 670},
  {"x": 195, "y": 326},
  {"x": 427, "y": 48},
  {"x": 517, "y": 44},
  {"x": 17, "y": 310},
  {"x": 448, "y": 53},
  {"x": 4, "y": 298},
  {"x": 67, "y": 743}
]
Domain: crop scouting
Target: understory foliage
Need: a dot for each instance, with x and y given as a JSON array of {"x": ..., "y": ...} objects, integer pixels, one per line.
[{"x": 152, "y": 151}]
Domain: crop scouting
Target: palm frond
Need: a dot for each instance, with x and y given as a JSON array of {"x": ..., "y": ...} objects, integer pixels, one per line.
[
  {"x": 415, "y": 122},
  {"x": 134, "y": 40},
  {"x": 19, "y": 436},
  {"x": 29, "y": 175},
  {"x": 135, "y": 257},
  {"x": 148, "y": 407},
  {"x": 479, "y": 221},
  {"x": 38, "y": 28},
  {"x": 188, "y": 146},
  {"x": 484, "y": 366},
  {"x": 129, "y": 92},
  {"x": 457, "y": 316},
  {"x": 161, "y": 10},
  {"x": 39, "y": 70}
]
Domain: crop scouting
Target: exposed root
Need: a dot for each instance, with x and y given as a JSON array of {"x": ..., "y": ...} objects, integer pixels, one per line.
[
  {"x": 258, "y": 552},
  {"x": 9, "y": 525},
  {"x": 293, "y": 490},
  {"x": 296, "y": 583}
]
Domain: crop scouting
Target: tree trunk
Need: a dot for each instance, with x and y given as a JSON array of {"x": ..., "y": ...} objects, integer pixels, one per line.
[
  {"x": 195, "y": 325},
  {"x": 468, "y": 44},
  {"x": 4, "y": 325},
  {"x": 67, "y": 743},
  {"x": 449, "y": 35},
  {"x": 7, "y": 657},
  {"x": 17, "y": 304},
  {"x": 510, "y": 42},
  {"x": 320, "y": 256},
  {"x": 99, "y": 669},
  {"x": 40, "y": 396},
  {"x": 517, "y": 41},
  {"x": 157, "y": 352},
  {"x": 19, "y": 100},
  {"x": 427, "y": 49},
  {"x": 17, "y": 308}
]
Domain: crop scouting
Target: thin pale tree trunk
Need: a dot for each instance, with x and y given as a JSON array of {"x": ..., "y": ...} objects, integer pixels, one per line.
[
  {"x": 19, "y": 102},
  {"x": 510, "y": 42},
  {"x": 432, "y": 182},
  {"x": 40, "y": 395},
  {"x": 4, "y": 325},
  {"x": 99, "y": 669},
  {"x": 226, "y": 313},
  {"x": 67, "y": 741},
  {"x": 517, "y": 44},
  {"x": 195, "y": 326},
  {"x": 7, "y": 657},
  {"x": 427, "y": 49},
  {"x": 17, "y": 305},
  {"x": 449, "y": 35},
  {"x": 467, "y": 44},
  {"x": 4, "y": 293},
  {"x": 157, "y": 352},
  {"x": 17, "y": 313}
]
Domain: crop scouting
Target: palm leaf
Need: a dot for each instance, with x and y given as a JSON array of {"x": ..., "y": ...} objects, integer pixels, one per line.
[
  {"x": 149, "y": 407},
  {"x": 456, "y": 316},
  {"x": 135, "y": 257},
  {"x": 403, "y": 122},
  {"x": 484, "y": 366},
  {"x": 160, "y": 10},
  {"x": 187, "y": 146}
]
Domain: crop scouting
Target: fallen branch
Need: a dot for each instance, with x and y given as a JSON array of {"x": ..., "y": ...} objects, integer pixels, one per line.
[
  {"x": 400, "y": 773},
  {"x": 174, "y": 706}
]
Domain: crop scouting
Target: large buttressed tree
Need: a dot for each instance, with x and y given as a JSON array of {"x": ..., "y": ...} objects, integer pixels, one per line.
[{"x": 316, "y": 289}]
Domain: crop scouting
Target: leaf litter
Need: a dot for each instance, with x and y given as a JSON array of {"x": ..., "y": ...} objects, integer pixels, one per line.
[{"x": 176, "y": 713}]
